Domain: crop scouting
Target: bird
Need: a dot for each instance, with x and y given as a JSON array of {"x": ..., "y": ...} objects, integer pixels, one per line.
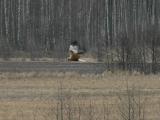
[{"x": 75, "y": 52}]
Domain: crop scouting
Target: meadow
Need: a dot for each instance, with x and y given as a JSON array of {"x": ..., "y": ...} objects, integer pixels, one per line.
[{"x": 71, "y": 96}]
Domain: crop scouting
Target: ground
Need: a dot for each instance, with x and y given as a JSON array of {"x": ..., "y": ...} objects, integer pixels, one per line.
[{"x": 53, "y": 96}]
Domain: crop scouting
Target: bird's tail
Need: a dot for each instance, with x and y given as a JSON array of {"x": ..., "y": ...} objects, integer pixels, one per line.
[{"x": 82, "y": 60}]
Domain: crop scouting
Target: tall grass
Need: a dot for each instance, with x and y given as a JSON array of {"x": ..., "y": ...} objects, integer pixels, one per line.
[{"x": 70, "y": 96}]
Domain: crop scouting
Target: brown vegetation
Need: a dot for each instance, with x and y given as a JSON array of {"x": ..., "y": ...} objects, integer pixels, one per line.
[{"x": 70, "y": 96}]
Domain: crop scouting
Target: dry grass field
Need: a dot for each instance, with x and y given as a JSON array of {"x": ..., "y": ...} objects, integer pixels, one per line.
[{"x": 70, "y": 96}]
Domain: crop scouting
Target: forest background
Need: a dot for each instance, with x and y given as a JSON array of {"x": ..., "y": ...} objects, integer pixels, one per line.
[{"x": 125, "y": 31}]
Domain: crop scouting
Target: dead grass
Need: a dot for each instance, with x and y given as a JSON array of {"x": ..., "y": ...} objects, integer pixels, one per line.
[{"x": 36, "y": 96}]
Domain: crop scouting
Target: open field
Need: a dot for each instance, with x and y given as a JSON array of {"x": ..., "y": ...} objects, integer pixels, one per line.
[
  {"x": 41, "y": 66},
  {"x": 71, "y": 96},
  {"x": 79, "y": 67}
]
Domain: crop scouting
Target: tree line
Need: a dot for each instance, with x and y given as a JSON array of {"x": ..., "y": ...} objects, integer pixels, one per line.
[{"x": 114, "y": 30}]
